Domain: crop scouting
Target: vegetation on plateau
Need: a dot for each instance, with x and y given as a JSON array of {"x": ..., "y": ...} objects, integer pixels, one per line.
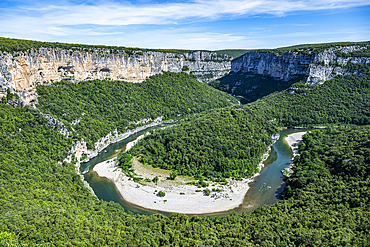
[
  {"x": 21, "y": 45},
  {"x": 10, "y": 45},
  {"x": 307, "y": 49}
]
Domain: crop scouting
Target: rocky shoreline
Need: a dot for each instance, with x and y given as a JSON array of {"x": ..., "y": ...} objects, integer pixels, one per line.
[{"x": 79, "y": 148}]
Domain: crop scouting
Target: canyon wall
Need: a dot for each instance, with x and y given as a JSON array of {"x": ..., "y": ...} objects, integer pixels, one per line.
[
  {"x": 23, "y": 71},
  {"x": 316, "y": 67}
]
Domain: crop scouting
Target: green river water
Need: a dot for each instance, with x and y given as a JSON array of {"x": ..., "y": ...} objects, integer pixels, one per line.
[{"x": 264, "y": 190}]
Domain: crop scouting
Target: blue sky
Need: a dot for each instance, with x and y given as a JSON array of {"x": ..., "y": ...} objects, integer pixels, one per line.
[{"x": 197, "y": 24}]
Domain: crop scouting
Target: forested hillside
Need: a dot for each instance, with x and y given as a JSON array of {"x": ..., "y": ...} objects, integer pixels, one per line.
[
  {"x": 45, "y": 203},
  {"x": 224, "y": 143},
  {"x": 230, "y": 142},
  {"x": 343, "y": 100},
  {"x": 99, "y": 106}
]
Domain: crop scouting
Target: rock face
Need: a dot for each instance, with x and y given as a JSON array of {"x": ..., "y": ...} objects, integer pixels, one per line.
[
  {"x": 208, "y": 66},
  {"x": 317, "y": 68},
  {"x": 284, "y": 68},
  {"x": 21, "y": 72}
]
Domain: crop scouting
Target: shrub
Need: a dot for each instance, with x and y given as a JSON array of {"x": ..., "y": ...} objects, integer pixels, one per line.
[
  {"x": 207, "y": 192},
  {"x": 173, "y": 175},
  {"x": 185, "y": 68},
  {"x": 161, "y": 194}
]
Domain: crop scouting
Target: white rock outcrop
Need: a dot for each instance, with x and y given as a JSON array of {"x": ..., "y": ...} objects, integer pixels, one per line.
[
  {"x": 23, "y": 71},
  {"x": 316, "y": 68}
]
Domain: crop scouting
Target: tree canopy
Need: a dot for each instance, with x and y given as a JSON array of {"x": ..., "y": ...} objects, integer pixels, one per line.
[
  {"x": 230, "y": 142},
  {"x": 326, "y": 202},
  {"x": 221, "y": 144},
  {"x": 94, "y": 108}
]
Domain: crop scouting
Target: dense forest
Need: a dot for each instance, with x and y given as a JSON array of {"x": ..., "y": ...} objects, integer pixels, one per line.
[
  {"x": 230, "y": 142},
  {"x": 224, "y": 143},
  {"x": 341, "y": 101},
  {"x": 43, "y": 202},
  {"x": 99, "y": 106}
]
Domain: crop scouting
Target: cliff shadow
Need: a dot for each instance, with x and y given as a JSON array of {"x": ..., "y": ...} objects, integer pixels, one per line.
[{"x": 249, "y": 87}]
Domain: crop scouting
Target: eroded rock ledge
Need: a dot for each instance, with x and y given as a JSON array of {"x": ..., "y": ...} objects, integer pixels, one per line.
[
  {"x": 23, "y": 71},
  {"x": 316, "y": 68}
]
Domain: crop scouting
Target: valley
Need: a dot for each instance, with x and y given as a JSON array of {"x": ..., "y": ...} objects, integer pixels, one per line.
[
  {"x": 54, "y": 131},
  {"x": 264, "y": 186}
]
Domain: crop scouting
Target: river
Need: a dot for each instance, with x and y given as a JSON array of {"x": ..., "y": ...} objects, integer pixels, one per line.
[{"x": 264, "y": 190}]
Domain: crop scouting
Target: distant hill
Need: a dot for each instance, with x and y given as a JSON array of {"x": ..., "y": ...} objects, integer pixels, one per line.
[{"x": 235, "y": 53}]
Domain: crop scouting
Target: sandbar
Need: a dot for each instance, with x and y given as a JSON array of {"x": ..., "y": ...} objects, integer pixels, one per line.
[
  {"x": 179, "y": 197},
  {"x": 294, "y": 140}
]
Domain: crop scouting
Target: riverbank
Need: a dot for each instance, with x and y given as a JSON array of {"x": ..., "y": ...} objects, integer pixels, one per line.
[
  {"x": 179, "y": 197},
  {"x": 80, "y": 148},
  {"x": 136, "y": 141},
  {"x": 293, "y": 140},
  {"x": 104, "y": 142}
]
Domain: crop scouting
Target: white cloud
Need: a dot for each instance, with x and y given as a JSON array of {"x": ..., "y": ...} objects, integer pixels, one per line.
[
  {"x": 127, "y": 14},
  {"x": 182, "y": 38},
  {"x": 123, "y": 21}
]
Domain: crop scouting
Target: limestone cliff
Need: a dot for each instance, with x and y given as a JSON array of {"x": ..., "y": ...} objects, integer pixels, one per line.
[
  {"x": 21, "y": 72},
  {"x": 207, "y": 66},
  {"x": 315, "y": 67}
]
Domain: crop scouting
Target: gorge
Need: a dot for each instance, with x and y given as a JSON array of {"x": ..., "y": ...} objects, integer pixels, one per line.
[
  {"x": 261, "y": 72},
  {"x": 325, "y": 201}
]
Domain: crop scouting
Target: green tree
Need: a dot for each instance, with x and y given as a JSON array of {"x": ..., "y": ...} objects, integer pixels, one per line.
[
  {"x": 161, "y": 194},
  {"x": 173, "y": 175}
]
